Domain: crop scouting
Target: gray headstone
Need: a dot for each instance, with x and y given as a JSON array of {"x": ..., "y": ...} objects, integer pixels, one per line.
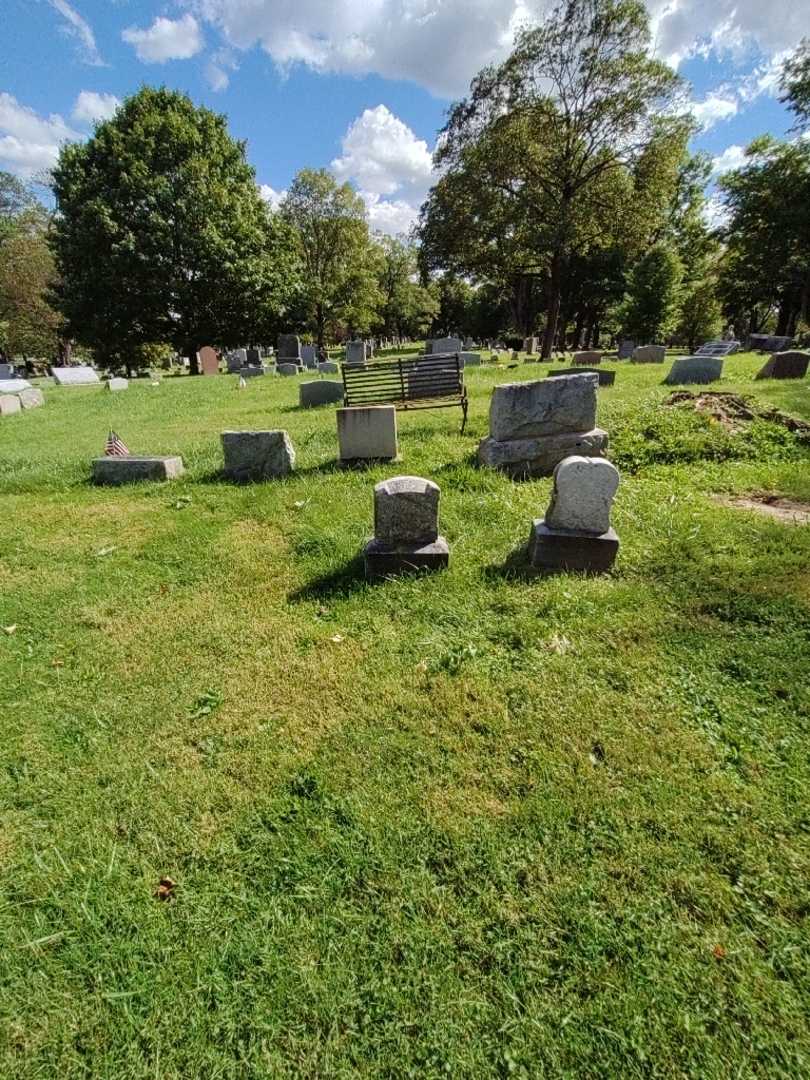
[
  {"x": 583, "y": 495},
  {"x": 626, "y": 349},
  {"x": 9, "y": 404},
  {"x": 355, "y": 352},
  {"x": 328, "y": 367},
  {"x": 237, "y": 360},
  {"x": 75, "y": 376},
  {"x": 31, "y": 398},
  {"x": 289, "y": 348},
  {"x": 649, "y": 354},
  {"x": 320, "y": 392},
  {"x": 785, "y": 365},
  {"x": 7, "y": 372},
  {"x": 539, "y": 456},
  {"x": 470, "y": 359},
  {"x": 546, "y": 407},
  {"x": 606, "y": 378},
  {"x": 132, "y": 468},
  {"x": 447, "y": 345},
  {"x": 254, "y": 357},
  {"x": 406, "y": 511},
  {"x": 251, "y": 371},
  {"x": 257, "y": 455},
  {"x": 695, "y": 369},
  {"x": 14, "y": 386},
  {"x": 118, "y": 384},
  {"x": 586, "y": 358},
  {"x": 309, "y": 356},
  {"x": 288, "y": 369}
]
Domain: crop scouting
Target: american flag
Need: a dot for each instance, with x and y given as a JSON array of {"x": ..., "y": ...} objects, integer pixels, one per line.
[
  {"x": 114, "y": 447},
  {"x": 242, "y": 384}
]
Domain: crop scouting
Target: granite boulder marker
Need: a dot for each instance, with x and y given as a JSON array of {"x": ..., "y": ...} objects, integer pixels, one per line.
[
  {"x": 257, "y": 455},
  {"x": 695, "y": 369},
  {"x": 406, "y": 528},
  {"x": 576, "y": 533},
  {"x": 534, "y": 425},
  {"x": 785, "y": 365}
]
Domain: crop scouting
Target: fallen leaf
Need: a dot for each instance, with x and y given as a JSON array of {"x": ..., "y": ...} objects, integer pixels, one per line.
[
  {"x": 164, "y": 588},
  {"x": 558, "y": 643},
  {"x": 56, "y": 662},
  {"x": 336, "y": 638},
  {"x": 300, "y": 504},
  {"x": 10, "y": 629},
  {"x": 718, "y": 952},
  {"x": 105, "y": 551},
  {"x": 165, "y": 889}
]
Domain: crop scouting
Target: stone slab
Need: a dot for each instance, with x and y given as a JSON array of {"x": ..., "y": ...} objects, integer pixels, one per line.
[
  {"x": 75, "y": 376},
  {"x": 606, "y": 378},
  {"x": 257, "y": 455},
  {"x": 31, "y": 398},
  {"x": 289, "y": 348},
  {"x": 320, "y": 392},
  {"x": 288, "y": 369},
  {"x": 544, "y": 407},
  {"x": 447, "y": 345},
  {"x": 382, "y": 560},
  {"x": 14, "y": 386},
  {"x": 556, "y": 549},
  {"x": 356, "y": 352},
  {"x": 539, "y": 456},
  {"x": 695, "y": 369},
  {"x": 470, "y": 359},
  {"x": 208, "y": 360},
  {"x": 649, "y": 354},
  {"x": 587, "y": 358},
  {"x": 584, "y": 488},
  {"x": 132, "y": 468},
  {"x": 626, "y": 348},
  {"x": 309, "y": 356},
  {"x": 785, "y": 365},
  {"x": 406, "y": 511},
  {"x": 117, "y": 384},
  {"x": 10, "y": 404},
  {"x": 367, "y": 432},
  {"x": 328, "y": 367}
]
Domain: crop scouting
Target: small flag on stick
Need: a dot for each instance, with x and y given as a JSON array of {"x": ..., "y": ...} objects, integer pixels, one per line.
[
  {"x": 114, "y": 447},
  {"x": 242, "y": 383}
]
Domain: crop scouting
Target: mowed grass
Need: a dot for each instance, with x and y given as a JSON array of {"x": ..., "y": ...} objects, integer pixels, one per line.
[{"x": 475, "y": 824}]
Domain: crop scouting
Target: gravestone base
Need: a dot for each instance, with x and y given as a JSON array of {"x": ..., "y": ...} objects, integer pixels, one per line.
[
  {"x": 559, "y": 549},
  {"x": 538, "y": 456},
  {"x": 131, "y": 469},
  {"x": 328, "y": 367},
  {"x": 288, "y": 368},
  {"x": 385, "y": 560}
]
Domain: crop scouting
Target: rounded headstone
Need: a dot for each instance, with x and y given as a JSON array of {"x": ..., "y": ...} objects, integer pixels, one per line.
[
  {"x": 583, "y": 495},
  {"x": 406, "y": 510}
]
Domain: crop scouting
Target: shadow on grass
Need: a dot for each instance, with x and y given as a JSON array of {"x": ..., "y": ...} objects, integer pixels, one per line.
[{"x": 342, "y": 580}]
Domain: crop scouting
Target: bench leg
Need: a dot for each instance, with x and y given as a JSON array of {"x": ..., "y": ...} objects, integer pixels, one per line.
[{"x": 464, "y": 421}]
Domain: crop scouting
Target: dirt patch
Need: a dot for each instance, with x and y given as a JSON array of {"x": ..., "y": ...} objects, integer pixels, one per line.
[
  {"x": 785, "y": 510},
  {"x": 734, "y": 411}
]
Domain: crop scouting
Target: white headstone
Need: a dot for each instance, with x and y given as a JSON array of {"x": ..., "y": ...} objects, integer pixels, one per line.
[
  {"x": 583, "y": 495},
  {"x": 75, "y": 376}
]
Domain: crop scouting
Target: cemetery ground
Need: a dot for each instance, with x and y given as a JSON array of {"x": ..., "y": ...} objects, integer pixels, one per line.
[{"x": 474, "y": 824}]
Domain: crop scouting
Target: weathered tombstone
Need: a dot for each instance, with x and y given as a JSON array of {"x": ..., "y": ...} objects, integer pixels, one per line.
[
  {"x": 626, "y": 349},
  {"x": 287, "y": 369},
  {"x": 587, "y": 358},
  {"x": 237, "y": 360},
  {"x": 7, "y": 372},
  {"x": 606, "y": 378},
  {"x": 770, "y": 343},
  {"x": 428, "y": 347},
  {"x": 649, "y": 354},
  {"x": 534, "y": 425},
  {"x": 406, "y": 529},
  {"x": 470, "y": 359},
  {"x": 254, "y": 356},
  {"x": 328, "y": 367},
  {"x": 251, "y": 371},
  {"x": 131, "y": 468},
  {"x": 576, "y": 533},
  {"x": 31, "y": 398},
  {"x": 320, "y": 392},
  {"x": 530, "y": 345},
  {"x": 14, "y": 386},
  {"x": 309, "y": 356},
  {"x": 785, "y": 365},
  {"x": 355, "y": 352},
  {"x": 75, "y": 376},
  {"x": 9, "y": 404},
  {"x": 368, "y": 432},
  {"x": 695, "y": 369},
  {"x": 289, "y": 349},
  {"x": 447, "y": 345},
  {"x": 257, "y": 455},
  {"x": 116, "y": 384},
  {"x": 209, "y": 360}
]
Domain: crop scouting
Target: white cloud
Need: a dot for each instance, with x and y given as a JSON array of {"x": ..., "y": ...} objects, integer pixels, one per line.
[
  {"x": 732, "y": 158},
  {"x": 219, "y": 65},
  {"x": 715, "y": 213},
  {"x": 392, "y": 216},
  {"x": 271, "y": 196},
  {"x": 166, "y": 39},
  {"x": 91, "y": 107},
  {"x": 80, "y": 29},
  {"x": 382, "y": 154},
  {"x": 29, "y": 142},
  {"x": 718, "y": 105}
]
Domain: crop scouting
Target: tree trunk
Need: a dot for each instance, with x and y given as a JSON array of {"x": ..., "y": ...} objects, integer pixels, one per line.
[
  {"x": 319, "y": 316},
  {"x": 783, "y": 320},
  {"x": 193, "y": 363},
  {"x": 553, "y": 308}
]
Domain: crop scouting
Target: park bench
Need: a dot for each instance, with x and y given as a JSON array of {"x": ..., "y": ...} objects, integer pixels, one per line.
[{"x": 408, "y": 382}]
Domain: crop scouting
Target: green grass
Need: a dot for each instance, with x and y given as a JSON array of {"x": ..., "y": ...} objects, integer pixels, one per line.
[{"x": 473, "y": 825}]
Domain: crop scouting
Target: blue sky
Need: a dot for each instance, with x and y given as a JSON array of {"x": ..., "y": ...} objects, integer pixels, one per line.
[{"x": 360, "y": 86}]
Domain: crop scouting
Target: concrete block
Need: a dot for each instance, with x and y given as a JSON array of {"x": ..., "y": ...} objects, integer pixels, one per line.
[
  {"x": 367, "y": 432},
  {"x": 131, "y": 468}
]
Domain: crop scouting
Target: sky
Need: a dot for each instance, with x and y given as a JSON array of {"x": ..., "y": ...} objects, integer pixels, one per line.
[{"x": 357, "y": 86}]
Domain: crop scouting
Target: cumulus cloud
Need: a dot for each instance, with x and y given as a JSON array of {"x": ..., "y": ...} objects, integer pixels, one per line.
[
  {"x": 77, "y": 27},
  {"x": 30, "y": 143},
  {"x": 91, "y": 107},
  {"x": 382, "y": 154},
  {"x": 715, "y": 213},
  {"x": 218, "y": 67},
  {"x": 718, "y": 105},
  {"x": 271, "y": 196},
  {"x": 393, "y": 216},
  {"x": 731, "y": 158},
  {"x": 166, "y": 39}
]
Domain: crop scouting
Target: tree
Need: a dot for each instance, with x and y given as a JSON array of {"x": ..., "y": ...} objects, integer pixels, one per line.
[
  {"x": 339, "y": 260},
  {"x": 27, "y": 276},
  {"x": 407, "y": 307},
  {"x": 795, "y": 84},
  {"x": 574, "y": 107},
  {"x": 161, "y": 234},
  {"x": 15, "y": 199},
  {"x": 650, "y": 306}
]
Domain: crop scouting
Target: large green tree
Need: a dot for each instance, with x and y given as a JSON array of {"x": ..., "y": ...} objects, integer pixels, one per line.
[
  {"x": 795, "y": 84},
  {"x": 563, "y": 121},
  {"x": 161, "y": 235},
  {"x": 407, "y": 307},
  {"x": 29, "y": 326},
  {"x": 651, "y": 306},
  {"x": 340, "y": 262}
]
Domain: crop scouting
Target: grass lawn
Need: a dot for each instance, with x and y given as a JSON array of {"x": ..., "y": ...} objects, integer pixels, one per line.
[{"x": 471, "y": 825}]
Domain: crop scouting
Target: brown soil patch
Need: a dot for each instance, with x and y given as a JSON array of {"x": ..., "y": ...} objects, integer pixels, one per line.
[
  {"x": 734, "y": 411},
  {"x": 788, "y": 511}
]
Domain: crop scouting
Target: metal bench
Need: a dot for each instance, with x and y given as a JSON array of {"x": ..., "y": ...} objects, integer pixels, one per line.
[{"x": 408, "y": 382}]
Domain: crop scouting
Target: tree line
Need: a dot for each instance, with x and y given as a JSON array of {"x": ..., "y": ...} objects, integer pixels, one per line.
[{"x": 567, "y": 205}]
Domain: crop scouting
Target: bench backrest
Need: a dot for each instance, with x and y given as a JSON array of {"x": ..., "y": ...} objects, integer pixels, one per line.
[{"x": 404, "y": 379}]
